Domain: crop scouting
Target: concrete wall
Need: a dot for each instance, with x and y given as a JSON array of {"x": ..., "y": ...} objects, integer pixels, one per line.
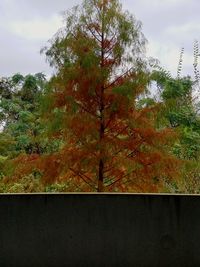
[{"x": 99, "y": 230}]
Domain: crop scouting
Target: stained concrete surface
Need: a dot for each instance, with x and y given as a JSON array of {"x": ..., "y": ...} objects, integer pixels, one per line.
[{"x": 103, "y": 230}]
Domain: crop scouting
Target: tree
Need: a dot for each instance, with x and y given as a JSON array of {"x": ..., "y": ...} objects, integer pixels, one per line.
[
  {"x": 19, "y": 112},
  {"x": 180, "y": 112},
  {"x": 108, "y": 142}
]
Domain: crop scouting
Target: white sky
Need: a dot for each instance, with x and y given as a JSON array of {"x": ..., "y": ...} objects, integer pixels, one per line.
[{"x": 26, "y": 26}]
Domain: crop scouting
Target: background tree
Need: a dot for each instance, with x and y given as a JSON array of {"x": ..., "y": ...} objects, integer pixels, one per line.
[
  {"x": 23, "y": 131},
  {"x": 19, "y": 111},
  {"x": 180, "y": 111}
]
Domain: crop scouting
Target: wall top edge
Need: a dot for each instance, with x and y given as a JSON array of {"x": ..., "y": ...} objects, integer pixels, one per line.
[{"x": 95, "y": 193}]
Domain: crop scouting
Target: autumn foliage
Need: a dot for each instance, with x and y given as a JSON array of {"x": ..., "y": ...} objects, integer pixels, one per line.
[{"x": 108, "y": 142}]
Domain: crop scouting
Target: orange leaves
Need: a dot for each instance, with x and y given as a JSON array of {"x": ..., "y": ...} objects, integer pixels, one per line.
[
  {"x": 107, "y": 44},
  {"x": 105, "y": 137},
  {"x": 108, "y": 62},
  {"x": 94, "y": 26},
  {"x": 50, "y": 166},
  {"x": 24, "y": 164},
  {"x": 103, "y": 3}
]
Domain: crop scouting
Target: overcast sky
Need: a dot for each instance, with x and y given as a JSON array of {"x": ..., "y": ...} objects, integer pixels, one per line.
[{"x": 26, "y": 25}]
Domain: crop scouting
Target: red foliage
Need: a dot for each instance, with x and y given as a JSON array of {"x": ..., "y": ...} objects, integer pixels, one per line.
[{"x": 108, "y": 143}]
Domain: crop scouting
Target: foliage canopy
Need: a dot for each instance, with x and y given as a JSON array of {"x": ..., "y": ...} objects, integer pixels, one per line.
[{"x": 108, "y": 143}]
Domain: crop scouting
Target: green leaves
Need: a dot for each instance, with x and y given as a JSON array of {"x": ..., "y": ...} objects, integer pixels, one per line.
[
  {"x": 189, "y": 146},
  {"x": 20, "y": 112},
  {"x": 177, "y": 88},
  {"x": 124, "y": 90},
  {"x": 180, "y": 112}
]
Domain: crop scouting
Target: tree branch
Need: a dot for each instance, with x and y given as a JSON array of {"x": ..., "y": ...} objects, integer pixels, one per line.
[
  {"x": 118, "y": 78},
  {"x": 82, "y": 177}
]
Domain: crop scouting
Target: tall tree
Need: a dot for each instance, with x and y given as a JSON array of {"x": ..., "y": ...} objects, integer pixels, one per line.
[{"x": 108, "y": 142}]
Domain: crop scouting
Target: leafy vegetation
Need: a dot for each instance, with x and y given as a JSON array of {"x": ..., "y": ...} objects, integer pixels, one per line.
[{"x": 94, "y": 126}]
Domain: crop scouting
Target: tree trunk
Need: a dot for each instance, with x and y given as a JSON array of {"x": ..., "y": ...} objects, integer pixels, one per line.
[
  {"x": 100, "y": 180},
  {"x": 102, "y": 121}
]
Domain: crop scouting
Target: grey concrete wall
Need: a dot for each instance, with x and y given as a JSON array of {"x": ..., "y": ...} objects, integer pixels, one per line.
[{"x": 99, "y": 230}]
